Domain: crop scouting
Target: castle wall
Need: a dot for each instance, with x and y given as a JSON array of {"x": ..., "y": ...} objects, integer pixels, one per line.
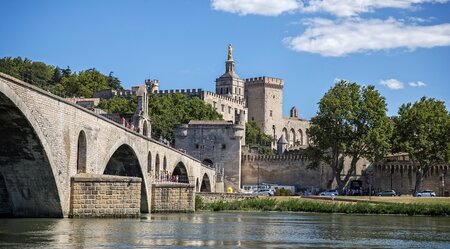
[
  {"x": 401, "y": 177},
  {"x": 288, "y": 170}
]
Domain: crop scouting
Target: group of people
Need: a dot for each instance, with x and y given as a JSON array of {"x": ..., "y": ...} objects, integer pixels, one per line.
[
  {"x": 165, "y": 176},
  {"x": 127, "y": 124}
]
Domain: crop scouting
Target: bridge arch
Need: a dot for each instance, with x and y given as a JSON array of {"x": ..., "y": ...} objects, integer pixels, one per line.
[
  {"x": 124, "y": 162},
  {"x": 180, "y": 173},
  {"x": 27, "y": 169},
  {"x": 81, "y": 152},
  {"x": 206, "y": 184}
]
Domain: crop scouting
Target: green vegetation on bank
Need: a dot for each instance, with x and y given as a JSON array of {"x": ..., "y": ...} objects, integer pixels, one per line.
[
  {"x": 322, "y": 206},
  {"x": 62, "y": 82}
]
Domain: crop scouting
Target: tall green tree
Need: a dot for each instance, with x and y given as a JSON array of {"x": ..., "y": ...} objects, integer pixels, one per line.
[
  {"x": 255, "y": 137},
  {"x": 422, "y": 130},
  {"x": 119, "y": 105},
  {"x": 172, "y": 109},
  {"x": 351, "y": 123}
]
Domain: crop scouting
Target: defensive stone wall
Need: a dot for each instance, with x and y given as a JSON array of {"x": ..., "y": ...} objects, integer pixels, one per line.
[
  {"x": 105, "y": 196},
  {"x": 269, "y": 81},
  {"x": 401, "y": 177},
  {"x": 215, "y": 197},
  {"x": 173, "y": 197},
  {"x": 288, "y": 170}
]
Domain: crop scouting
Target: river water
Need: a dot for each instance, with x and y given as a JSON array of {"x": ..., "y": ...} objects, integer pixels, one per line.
[{"x": 229, "y": 230}]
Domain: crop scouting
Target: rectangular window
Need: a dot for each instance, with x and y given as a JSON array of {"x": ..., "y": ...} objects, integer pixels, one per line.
[
  {"x": 223, "y": 108},
  {"x": 271, "y": 113},
  {"x": 229, "y": 109},
  {"x": 214, "y": 104}
]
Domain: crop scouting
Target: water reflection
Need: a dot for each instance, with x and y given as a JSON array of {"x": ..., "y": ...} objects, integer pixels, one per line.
[{"x": 225, "y": 230}]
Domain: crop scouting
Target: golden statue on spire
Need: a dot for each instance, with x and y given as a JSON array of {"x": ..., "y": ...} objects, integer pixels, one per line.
[{"x": 230, "y": 52}]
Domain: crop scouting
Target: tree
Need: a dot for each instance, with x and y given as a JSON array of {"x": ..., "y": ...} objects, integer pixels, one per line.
[
  {"x": 255, "y": 137},
  {"x": 172, "y": 109},
  {"x": 119, "y": 105},
  {"x": 113, "y": 81},
  {"x": 422, "y": 130},
  {"x": 351, "y": 123}
]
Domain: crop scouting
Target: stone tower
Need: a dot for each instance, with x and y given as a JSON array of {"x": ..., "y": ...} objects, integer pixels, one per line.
[
  {"x": 264, "y": 97},
  {"x": 229, "y": 84}
]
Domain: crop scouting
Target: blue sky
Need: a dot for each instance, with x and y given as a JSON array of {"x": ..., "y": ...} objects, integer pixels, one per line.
[{"x": 400, "y": 46}]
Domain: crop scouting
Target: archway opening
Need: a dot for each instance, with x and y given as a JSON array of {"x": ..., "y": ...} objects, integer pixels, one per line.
[
  {"x": 27, "y": 183},
  {"x": 124, "y": 162},
  {"x": 206, "y": 185},
  {"x": 208, "y": 162},
  {"x": 81, "y": 153},
  {"x": 180, "y": 174}
]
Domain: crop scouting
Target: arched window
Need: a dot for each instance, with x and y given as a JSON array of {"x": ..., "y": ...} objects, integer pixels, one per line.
[
  {"x": 286, "y": 134},
  {"x": 81, "y": 153},
  {"x": 300, "y": 136},
  {"x": 292, "y": 141}
]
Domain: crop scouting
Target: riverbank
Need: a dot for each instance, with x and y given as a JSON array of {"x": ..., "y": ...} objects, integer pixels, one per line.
[{"x": 323, "y": 205}]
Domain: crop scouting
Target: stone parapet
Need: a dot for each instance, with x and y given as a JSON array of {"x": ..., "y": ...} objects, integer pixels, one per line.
[
  {"x": 236, "y": 101},
  {"x": 105, "y": 196}
]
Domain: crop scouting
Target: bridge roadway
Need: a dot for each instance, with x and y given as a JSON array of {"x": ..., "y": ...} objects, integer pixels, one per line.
[{"x": 45, "y": 140}]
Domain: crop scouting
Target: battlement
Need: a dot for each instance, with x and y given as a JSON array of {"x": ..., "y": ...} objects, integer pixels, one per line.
[
  {"x": 225, "y": 98},
  {"x": 197, "y": 91},
  {"x": 274, "y": 158},
  {"x": 265, "y": 80}
]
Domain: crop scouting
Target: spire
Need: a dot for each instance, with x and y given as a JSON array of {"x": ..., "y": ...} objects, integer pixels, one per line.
[
  {"x": 230, "y": 52},
  {"x": 229, "y": 64}
]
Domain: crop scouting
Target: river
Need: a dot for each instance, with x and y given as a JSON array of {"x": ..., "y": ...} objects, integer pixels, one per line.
[{"x": 229, "y": 230}]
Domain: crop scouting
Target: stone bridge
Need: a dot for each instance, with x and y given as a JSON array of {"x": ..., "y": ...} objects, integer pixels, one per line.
[{"x": 45, "y": 141}]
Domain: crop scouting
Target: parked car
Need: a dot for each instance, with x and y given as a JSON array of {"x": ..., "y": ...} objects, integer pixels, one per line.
[
  {"x": 264, "y": 192},
  {"x": 330, "y": 193},
  {"x": 387, "y": 193},
  {"x": 426, "y": 193}
]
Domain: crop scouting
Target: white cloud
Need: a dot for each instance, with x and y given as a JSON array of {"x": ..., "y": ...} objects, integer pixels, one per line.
[
  {"x": 339, "y": 38},
  {"x": 392, "y": 84},
  {"x": 346, "y": 8},
  {"x": 257, "y": 7},
  {"x": 417, "y": 84}
]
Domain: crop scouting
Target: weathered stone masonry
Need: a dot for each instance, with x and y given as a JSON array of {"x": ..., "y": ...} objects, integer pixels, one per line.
[
  {"x": 170, "y": 197},
  {"x": 105, "y": 196}
]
